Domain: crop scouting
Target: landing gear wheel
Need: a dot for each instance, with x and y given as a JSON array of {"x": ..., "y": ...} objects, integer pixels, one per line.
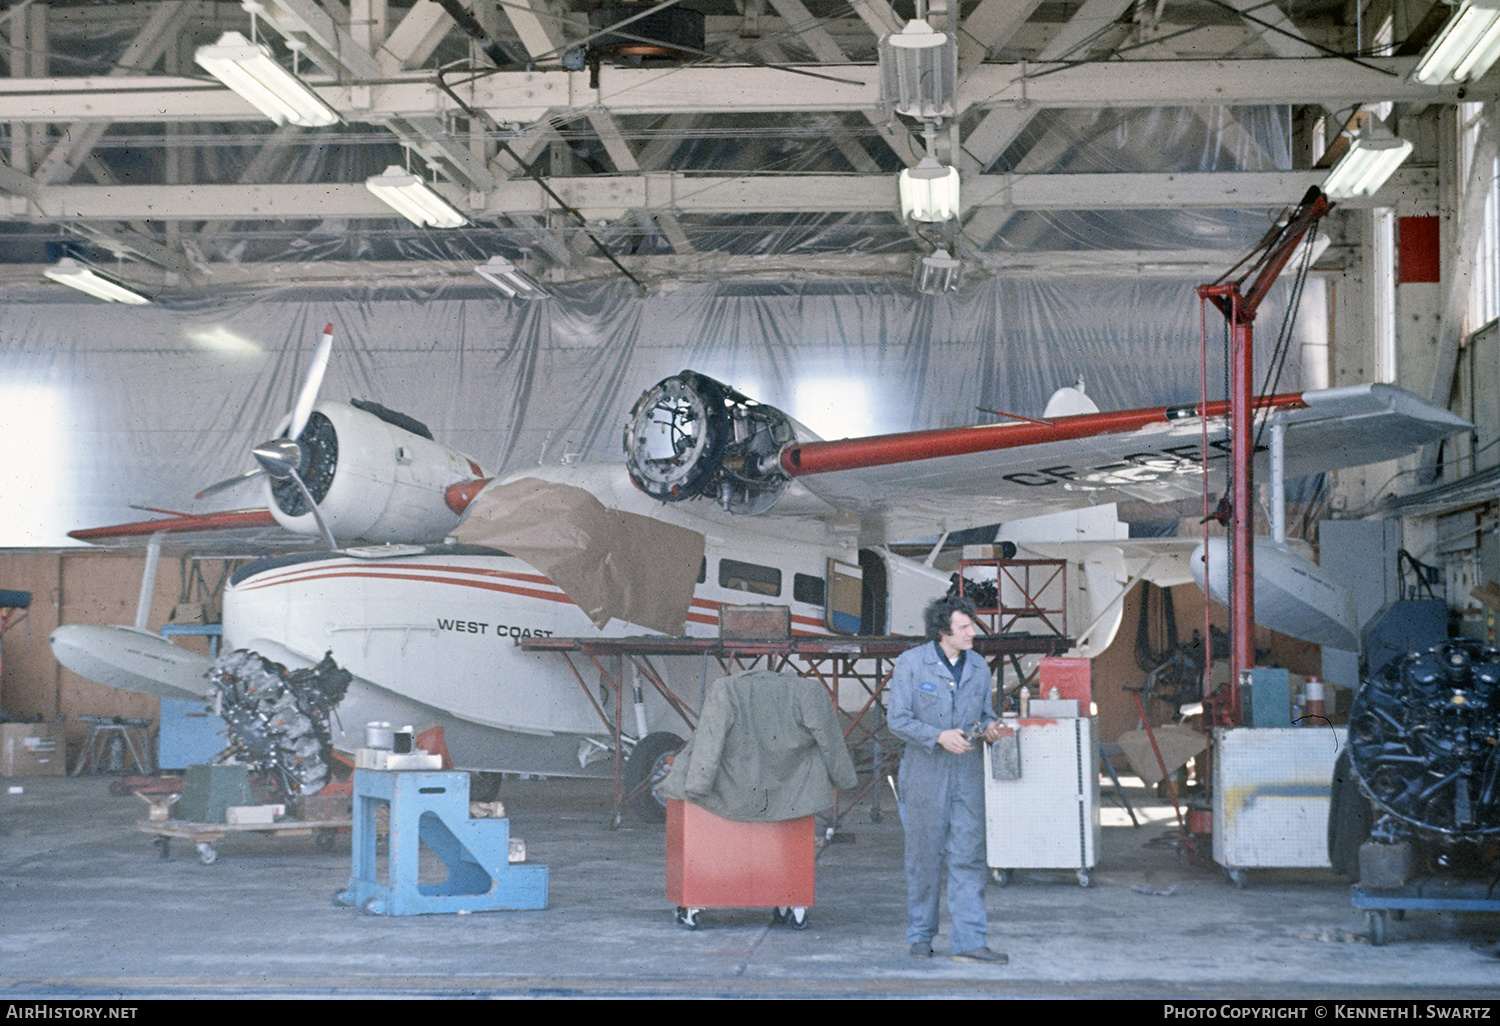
[
  {"x": 648, "y": 762},
  {"x": 324, "y": 840},
  {"x": 163, "y": 847},
  {"x": 1375, "y": 923},
  {"x": 207, "y": 854},
  {"x": 1001, "y": 877},
  {"x": 688, "y": 917},
  {"x": 1083, "y": 878}
]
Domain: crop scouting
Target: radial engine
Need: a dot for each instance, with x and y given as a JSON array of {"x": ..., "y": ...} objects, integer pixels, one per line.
[
  {"x": 1423, "y": 736},
  {"x": 692, "y": 436}
]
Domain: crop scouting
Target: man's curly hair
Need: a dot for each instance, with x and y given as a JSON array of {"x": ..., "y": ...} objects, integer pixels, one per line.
[{"x": 938, "y": 618}]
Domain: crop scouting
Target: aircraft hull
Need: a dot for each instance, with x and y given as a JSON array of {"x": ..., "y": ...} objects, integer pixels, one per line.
[
  {"x": 433, "y": 638},
  {"x": 1293, "y": 595}
]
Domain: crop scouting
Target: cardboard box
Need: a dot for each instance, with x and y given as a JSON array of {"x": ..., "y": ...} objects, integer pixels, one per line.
[
  {"x": 247, "y": 815},
  {"x": 33, "y": 750}
]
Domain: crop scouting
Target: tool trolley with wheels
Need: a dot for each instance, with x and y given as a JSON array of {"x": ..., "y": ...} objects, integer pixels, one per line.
[{"x": 714, "y": 863}]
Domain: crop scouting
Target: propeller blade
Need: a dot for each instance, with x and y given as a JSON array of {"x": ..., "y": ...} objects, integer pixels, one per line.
[
  {"x": 228, "y": 483},
  {"x": 317, "y": 514},
  {"x": 302, "y": 409}
]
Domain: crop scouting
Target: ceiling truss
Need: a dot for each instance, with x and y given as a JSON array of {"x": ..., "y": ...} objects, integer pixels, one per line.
[{"x": 142, "y": 157}]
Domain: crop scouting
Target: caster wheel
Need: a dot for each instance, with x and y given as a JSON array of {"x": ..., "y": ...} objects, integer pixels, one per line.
[
  {"x": 163, "y": 847},
  {"x": 207, "y": 854},
  {"x": 688, "y": 917},
  {"x": 1083, "y": 878},
  {"x": 798, "y": 919},
  {"x": 780, "y": 915},
  {"x": 1001, "y": 877},
  {"x": 1375, "y": 922},
  {"x": 1238, "y": 878}
]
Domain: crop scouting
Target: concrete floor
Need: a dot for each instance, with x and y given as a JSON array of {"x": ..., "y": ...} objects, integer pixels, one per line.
[{"x": 87, "y": 909}]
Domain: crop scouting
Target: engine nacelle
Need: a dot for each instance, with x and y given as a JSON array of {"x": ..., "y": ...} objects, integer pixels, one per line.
[
  {"x": 691, "y": 436},
  {"x": 372, "y": 479}
]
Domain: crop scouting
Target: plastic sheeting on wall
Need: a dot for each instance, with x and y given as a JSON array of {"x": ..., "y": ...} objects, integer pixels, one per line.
[{"x": 105, "y": 406}]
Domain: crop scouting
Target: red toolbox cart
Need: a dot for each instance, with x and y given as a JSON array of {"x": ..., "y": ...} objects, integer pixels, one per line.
[{"x": 720, "y": 863}]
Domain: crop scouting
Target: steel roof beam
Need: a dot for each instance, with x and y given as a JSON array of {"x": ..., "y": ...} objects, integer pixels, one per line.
[{"x": 610, "y": 196}]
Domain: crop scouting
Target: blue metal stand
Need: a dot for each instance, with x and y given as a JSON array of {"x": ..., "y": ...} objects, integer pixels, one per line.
[{"x": 433, "y": 809}]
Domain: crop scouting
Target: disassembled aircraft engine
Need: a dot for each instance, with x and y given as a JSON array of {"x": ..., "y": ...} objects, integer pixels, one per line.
[
  {"x": 690, "y": 435},
  {"x": 1422, "y": 737},
  {"x": 278, "y": 718}
]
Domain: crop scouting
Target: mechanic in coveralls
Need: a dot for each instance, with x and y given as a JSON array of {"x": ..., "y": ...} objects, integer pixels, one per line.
[{"x": 939, "y": 699}]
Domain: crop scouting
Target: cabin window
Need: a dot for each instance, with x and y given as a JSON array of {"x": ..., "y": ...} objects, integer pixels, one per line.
[
  {"x": 751, "y": 577},
  {"x": 807, "y": 588}
]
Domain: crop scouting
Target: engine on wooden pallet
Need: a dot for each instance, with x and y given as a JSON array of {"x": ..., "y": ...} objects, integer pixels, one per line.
[
  {"x": 278, "y": 718},
  {"x": 1423, "y": 736}
]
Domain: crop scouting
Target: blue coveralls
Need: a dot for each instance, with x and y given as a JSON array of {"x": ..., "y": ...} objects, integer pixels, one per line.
[{"x": 942, "y": 794}]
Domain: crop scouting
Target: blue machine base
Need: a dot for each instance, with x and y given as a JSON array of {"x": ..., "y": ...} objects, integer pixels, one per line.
[{"x": 433, "y": 809}]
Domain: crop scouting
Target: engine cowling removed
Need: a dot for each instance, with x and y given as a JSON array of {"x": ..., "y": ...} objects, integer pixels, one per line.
[
  {"x": 692, "y": 436},
  {"x": 1423, "y": 738}
]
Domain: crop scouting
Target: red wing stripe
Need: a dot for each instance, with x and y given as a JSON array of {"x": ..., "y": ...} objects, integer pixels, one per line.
[
  {"x": 884, "y": 450},
  {"x": 229, "y": 521}
]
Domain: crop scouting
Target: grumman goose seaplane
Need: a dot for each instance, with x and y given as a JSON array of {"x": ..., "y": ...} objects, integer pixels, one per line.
[{"x": 430, "y": 569}]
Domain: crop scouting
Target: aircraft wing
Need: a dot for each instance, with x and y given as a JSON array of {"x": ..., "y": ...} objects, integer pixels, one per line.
[
  {"x": 920, "y": 483},
  {"x": 180, "y": 523}
]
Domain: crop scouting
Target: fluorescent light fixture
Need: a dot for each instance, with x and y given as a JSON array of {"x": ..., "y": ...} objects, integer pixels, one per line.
[
  {"x": 74, "y": 275},
  {"x": 919, "y": 71},
  {"x": 510, "y": 279},
  {"x": 938, "y": 273},
  {"x": 249, "y": 70},
  {"x": 929, "y": 191},
  {"x": 413, "y": 199},
  {"x": 1372, "y": 157},
  {"x": 1465, "y": 48}
]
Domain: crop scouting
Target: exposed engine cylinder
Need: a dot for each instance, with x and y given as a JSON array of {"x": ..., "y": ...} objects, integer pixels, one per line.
[
  {"x": 277, "y": 718},
  {"x": 691, "y": 436},
  {"x": 1423, "y": 736}
]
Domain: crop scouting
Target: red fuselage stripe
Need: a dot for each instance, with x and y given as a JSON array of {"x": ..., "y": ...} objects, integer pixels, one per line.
[
  {"x": 372, "y": 571},
  {"x": 550, "y": 596}
]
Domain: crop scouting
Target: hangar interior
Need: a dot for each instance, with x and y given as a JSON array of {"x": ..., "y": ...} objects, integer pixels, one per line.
[{"x": 716, "y": 185}]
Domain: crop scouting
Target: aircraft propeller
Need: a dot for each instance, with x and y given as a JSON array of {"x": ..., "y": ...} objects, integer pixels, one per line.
[{"x": 287, "y": 456}]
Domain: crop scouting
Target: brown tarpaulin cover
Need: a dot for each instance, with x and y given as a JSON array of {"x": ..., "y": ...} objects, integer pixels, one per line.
[{"x": 610, "y": 562}]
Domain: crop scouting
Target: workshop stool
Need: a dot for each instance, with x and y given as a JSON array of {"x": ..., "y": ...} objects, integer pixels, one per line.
[{"x": 105, "y": 731}]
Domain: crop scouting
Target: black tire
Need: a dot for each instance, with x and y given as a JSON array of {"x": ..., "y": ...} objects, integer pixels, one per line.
[
  {"x": 1349, "y": 819},
  {"x": 649, "y": 760}
]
